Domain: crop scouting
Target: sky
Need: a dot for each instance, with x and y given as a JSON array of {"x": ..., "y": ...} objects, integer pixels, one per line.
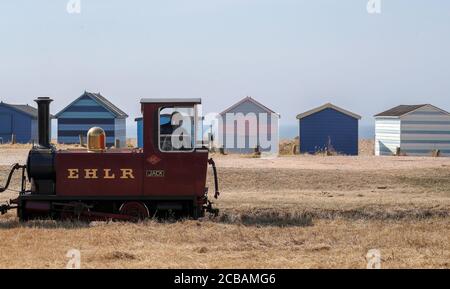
[{"x": 291, "y": 55}]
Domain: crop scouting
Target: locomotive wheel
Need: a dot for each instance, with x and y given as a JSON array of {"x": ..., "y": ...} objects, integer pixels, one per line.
[
  {"x": 72, "y": 212},
  {"x": 67, "y": 214},
  {"x": 137, "y": 210}
]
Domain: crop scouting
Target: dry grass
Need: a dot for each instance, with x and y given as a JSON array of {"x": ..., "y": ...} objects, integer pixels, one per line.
[
  {"x": 15, "y": 146},
  {"x": 130, "y": 142},
  {"x": 28, "y": 146},
  {"x": 366, "y": 147},
  {"x": 290, "y": 212},
  {"x": 195, "y": 244},
  {"x": 290, "y": 147}
]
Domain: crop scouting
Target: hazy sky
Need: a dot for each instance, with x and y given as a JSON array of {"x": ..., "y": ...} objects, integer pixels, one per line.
[{"x": 292, "y": 55}]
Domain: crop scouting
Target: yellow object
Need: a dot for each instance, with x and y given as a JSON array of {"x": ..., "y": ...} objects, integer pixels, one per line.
[{"x": 96, "y": 139}]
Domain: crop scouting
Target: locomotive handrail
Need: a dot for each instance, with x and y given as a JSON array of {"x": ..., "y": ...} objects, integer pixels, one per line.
[
  {"x": 14, "y": 167},
  {"x": 216, "y": 181}
]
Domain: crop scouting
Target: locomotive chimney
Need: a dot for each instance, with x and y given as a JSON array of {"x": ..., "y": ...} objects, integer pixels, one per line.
[{"x": 44, "y": 121}]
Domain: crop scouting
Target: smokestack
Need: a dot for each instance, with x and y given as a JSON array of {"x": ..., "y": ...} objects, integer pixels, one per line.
[{"x": 44, "y": 121}]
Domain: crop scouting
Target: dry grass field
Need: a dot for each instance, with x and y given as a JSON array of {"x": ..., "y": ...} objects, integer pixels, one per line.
[{"x": 288, "y": 212}]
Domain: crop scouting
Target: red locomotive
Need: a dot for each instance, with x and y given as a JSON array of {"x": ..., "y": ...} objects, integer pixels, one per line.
[{"x": 167, "y": 176}]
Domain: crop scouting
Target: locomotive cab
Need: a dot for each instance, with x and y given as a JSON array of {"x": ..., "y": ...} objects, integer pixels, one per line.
[
  {"x": 175, "y": 161},
  {"x": 166, "y": 177}
]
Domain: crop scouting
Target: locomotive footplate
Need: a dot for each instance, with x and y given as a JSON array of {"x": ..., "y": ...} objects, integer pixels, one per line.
[
  {"x": 83, "y": 208},
  {"x": 81, "y": 211}
]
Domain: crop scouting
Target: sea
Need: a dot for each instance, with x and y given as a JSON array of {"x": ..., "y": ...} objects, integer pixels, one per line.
[{"x": 287, "y": 131}]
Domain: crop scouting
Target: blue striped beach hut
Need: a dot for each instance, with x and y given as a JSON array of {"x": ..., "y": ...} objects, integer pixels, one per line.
[
  {"x": 414, "y": 130},
  {"x": 89, "y": 110}
]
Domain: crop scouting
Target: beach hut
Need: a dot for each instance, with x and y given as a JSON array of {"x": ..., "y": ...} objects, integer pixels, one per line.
[
  {"x": 328, "y": 128},
  {"x": 414, "y": 130},
  {"x": 140, "y": 128},
  {"x": 247, "y": 126},
  {"x": 140, "y": 132},
  {"x": 19, "y": 120},
  {"x": 89, "y": 110}
]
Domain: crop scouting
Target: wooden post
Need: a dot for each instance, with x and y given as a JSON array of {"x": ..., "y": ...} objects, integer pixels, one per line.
[
  {"x": 13, "y": 139},
  {"x": 117, "y": 143},
  {"x": 436, "y": 153},
  {"x": 294, "y": 149},
  {"x": 257, "y": 151},
  {"x": 81, "y": 140}
]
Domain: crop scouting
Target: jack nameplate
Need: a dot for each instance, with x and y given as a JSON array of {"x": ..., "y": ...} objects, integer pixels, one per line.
[{"x": 155, "y": 173}]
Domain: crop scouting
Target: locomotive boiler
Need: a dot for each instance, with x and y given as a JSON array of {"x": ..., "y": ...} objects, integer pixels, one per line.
[{"x": 165, "y": 177}]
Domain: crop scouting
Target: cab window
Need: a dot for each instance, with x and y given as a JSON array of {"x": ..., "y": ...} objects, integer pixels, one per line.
[{"x": 176, "y": 129}]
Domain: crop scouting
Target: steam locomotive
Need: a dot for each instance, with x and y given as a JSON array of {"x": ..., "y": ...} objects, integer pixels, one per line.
[{"x": 165, "y": 177}]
